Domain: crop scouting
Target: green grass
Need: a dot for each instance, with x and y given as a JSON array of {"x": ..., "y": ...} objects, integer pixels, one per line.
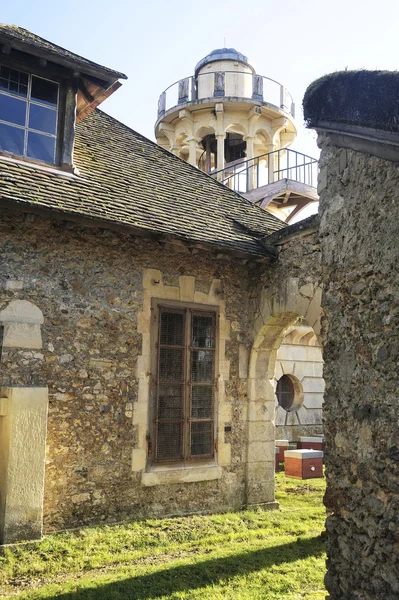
[{"x": 249, "y": 555}]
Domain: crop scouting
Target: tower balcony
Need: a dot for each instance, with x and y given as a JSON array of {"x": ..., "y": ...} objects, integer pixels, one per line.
[
  {"x": 220, "y": 86},
  {"x": 284, "y": 181}
]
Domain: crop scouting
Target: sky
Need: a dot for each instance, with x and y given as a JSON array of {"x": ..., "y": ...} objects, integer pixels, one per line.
[{"x": 157, "y": 43}]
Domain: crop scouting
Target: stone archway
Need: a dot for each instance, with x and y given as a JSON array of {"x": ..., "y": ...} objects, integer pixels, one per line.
[{"x": 277, "y": 309}]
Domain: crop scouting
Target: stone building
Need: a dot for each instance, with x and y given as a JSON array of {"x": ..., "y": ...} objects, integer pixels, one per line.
[
  {"x": 142, "y": 307},
  {"x": 356, "y": 116}
]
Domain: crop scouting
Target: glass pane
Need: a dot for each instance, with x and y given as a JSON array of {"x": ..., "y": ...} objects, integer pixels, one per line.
[
  {"x": 14, "y": 75},
  {"x": 172, "y": 329},
  {"x": 201, "y": 402},
  {"x": 42, "y": 119},
  {"x": 5, "y": 72},
  {"x": 169, "y": 437},
  {"x": 285, "y": 392},
  {"x": 170, "y": 400},
  {"x": 11, "y": 139},
  {"x": 203, "y": 331},
  {"x": 201, "y": 438},
  {"x": 13, "y": 81},
  {"x": 202, "y": 366},
  {"x": 41, "y": 147},
  {"x": 44, "y": 91},
  {"x": 171, "y": 364},
  {"x": 12, "y": 110}
]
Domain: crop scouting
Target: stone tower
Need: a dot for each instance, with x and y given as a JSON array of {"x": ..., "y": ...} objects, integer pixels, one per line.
[{"x": 237, "y": 125}]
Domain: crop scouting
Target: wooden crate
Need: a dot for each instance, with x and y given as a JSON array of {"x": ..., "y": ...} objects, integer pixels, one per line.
[
  {"x": 303, "y": 464},
  {"x": 311, "y": 443}
]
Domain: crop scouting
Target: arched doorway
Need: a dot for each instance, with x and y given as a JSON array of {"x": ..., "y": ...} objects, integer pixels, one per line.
[{"x": 279, "y": 310}]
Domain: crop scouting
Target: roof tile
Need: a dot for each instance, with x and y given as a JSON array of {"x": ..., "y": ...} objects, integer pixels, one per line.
[{"x": 126, "y": 179}]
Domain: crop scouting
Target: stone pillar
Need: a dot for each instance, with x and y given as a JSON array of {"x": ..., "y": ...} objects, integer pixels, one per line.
[
  {"x": 260, "y": 432},
  {"x": 23, "y": 426},
  {"x": 359, "y": 216},
  {"x": 192, "y": 157},
  {"x": 252, "y": 168},
  {"x": 220, "y": 137},
  {"x": 271, "y": 162}
]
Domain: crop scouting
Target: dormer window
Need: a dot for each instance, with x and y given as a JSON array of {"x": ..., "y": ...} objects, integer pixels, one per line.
[{"x": 28, "y": 115}]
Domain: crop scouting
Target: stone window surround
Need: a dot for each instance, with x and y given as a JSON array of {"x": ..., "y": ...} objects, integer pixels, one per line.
[
  {"x": 170, "y": 305},
  {"x": 152, "y": 475}
]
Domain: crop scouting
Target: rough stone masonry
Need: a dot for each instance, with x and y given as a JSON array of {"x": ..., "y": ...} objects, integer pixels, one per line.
[{"x": 359, "y": 216}]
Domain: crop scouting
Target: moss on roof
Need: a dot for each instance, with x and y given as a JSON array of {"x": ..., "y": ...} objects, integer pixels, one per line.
[
  {"x": 19, "y": 34},
  {"x": 128, "y": 180},
  {"x": 362, "y": 98}
]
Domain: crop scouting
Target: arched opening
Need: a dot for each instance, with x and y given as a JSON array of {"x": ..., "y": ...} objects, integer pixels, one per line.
[
  {"x": 299, "y": 360},
  {"x": 281, "y": 307},
  {"x": 234, "y": 150},
  {"x": 234, "y": 147}
]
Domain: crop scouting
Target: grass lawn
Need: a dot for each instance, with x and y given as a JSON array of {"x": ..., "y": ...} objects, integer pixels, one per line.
[{"x": 253, "y": 554}]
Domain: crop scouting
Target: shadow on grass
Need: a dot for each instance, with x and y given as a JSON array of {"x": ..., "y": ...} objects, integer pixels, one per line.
[{"x": 189, "y": 577}]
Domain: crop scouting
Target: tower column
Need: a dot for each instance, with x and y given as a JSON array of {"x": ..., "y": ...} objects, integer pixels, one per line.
[
  {"x": 192, "y": 156},
  {"x": 252, "y": 167},
  {"x": 220, "y": 137},
  {"x": 271, "y": 162}
]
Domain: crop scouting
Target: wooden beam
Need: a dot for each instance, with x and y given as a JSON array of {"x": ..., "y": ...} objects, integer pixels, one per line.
[{"x": 85, "y": 92}]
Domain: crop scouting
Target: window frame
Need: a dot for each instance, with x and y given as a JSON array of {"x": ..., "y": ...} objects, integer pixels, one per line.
[
  {"x": 41, "y": 73},
  {"x": 296, "y": 400},
  {"x": 188, "y": 308}
]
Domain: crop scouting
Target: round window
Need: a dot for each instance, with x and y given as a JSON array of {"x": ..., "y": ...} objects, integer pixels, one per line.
[{"x": 289, "y": 393}]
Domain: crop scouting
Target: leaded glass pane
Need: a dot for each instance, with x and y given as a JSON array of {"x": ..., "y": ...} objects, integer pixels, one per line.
[
  {"x": 202, "y": 402},
  {"x": 201, "y": 438},
  {"x": 172, "y": 329},
  {"x": 202, "y": 366},
  {"x": 170, "y": 401},
  {"x": 171, "y": 364},
  {"x": 169, "y": 438},
  {"x": 203, "y": 331}
]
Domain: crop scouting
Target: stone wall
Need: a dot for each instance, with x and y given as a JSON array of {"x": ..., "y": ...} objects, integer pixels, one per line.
[
  {"x": 280, "y": 295},
  {"x": 359, "y": 212},
  {"x": 301, "y": 357},
  {"x": 90, "y": 286}
]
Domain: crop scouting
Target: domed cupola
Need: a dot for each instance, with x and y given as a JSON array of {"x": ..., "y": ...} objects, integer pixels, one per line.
[{"x": 222, "y": 54}]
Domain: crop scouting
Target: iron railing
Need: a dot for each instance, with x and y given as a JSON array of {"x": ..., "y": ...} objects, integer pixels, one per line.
[
  {"x": 261, "y": 88},
  {"x": 268, "y": 168}
]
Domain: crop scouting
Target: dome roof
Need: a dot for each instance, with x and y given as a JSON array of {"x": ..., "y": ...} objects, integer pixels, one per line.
[{"x": 221, "y": 54}]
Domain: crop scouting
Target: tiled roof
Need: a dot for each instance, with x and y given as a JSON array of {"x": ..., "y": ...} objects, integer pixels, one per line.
[
  {"x": 25, "y": 37},
  {"x": 128, "y": 180}
]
